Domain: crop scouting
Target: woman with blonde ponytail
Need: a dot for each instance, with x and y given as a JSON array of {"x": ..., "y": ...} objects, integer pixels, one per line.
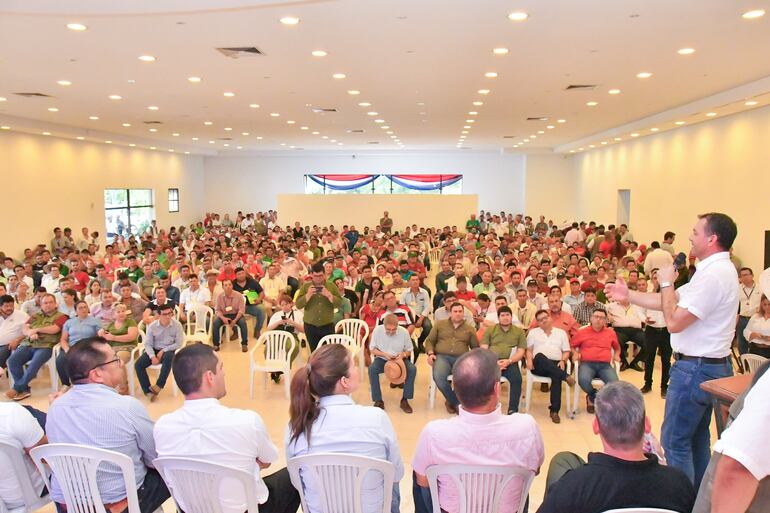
[{"x": 324, "y": 419}]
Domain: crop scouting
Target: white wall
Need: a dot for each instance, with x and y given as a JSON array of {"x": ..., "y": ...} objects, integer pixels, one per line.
[
  {"x": 550, "y": 187},
  {"x": 720, "y": 165},
  {"x": 48, "y": 181},
  {"x": 253, "y": 183}
]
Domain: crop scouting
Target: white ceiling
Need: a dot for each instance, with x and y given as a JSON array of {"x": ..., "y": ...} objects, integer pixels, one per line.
[{"x": 419, "y": 63}]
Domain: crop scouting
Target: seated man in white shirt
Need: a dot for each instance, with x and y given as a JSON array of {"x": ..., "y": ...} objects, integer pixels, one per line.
[
  {"x": 192, "y": 297},
  {"x": 204, "y": 429},
  {"x": 626, "y": 320},
  {"x": 391, "y": 342},
  {"x": 19, "y": 428}
]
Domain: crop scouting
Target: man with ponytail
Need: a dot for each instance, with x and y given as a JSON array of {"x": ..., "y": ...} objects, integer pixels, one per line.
[{"x": 324, "y": 419}]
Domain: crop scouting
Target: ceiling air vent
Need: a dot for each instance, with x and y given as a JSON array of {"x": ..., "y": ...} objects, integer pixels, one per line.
[
  {"x": 589, "y": 87},
  {"x": 509, "y": 137},
  {"x": 225, "y": 138},
  {"x": 373, "y": 142},
  {"x": 319, "y": 110},
  {"x": 356, "y": 131},
  {"x": 236, "y": 52},
  {"x": 541, "y": 118},
  {"x": 152, "y": 122},
  {"x": 34, "y": 95}
]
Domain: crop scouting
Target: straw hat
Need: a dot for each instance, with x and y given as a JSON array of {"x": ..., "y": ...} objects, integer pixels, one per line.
[{"x": 395, "y": 371}]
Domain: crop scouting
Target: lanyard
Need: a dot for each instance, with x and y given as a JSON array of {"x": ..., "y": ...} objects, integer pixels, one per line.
[{"x": 751, "y": 293}]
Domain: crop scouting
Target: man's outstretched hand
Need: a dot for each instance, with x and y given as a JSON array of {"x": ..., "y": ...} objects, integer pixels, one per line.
[{"x": 617, "y": 291}]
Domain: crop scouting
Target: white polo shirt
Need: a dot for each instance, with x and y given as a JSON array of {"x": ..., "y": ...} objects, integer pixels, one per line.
[
  {"x": 552, "y": 346},
  {"x": 18, "y": 428},
  {"x": 11, "y": 326},
  {"x": 712, "y": 297}
]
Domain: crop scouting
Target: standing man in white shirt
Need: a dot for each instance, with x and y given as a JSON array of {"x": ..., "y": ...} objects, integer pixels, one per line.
[
  {"x": 701, "y": 319},
  {"x": 196, "y": 431},
  {"x": 749, "y": 295}
]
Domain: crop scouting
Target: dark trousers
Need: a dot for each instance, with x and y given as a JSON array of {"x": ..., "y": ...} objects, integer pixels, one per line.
[
  {"x": 314, "y": 334},
  {"x": 152, "y": 494},
  {"x": 549, "y": 369},
  {"x": 282, "y": 496},
  {"x": 165, "y": 369},
  {"x": 241, "y": 323},
  {"x": 513, "y": 375},
  {"x": 743, "y": 344},
  {"x": 760, "y": 350},
  {"x": 657, "y": 340},
  {"x": 5, "y": 352},
  {"x": 635, "y": 335},
  {"x": 61, "y": 368}
]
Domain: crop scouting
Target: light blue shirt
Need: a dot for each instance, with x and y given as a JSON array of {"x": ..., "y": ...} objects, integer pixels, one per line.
[
  {"x": 399, "y": 342},
  {"x": 419, "y": 303},
  {"x": 345, "y": 427},
  {"x": 573, "y": 301},
  {"x": 79, "y": 329},
  {"x": 97, "y": 416},
  {"x": 166, "y": 338}
]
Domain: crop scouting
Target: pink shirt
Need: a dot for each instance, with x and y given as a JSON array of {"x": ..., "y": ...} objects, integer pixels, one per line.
[{"x": 489, "y": 439}]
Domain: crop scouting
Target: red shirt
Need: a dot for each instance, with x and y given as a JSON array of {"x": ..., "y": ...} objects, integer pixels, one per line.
[
  {"x": 468, "y": 295},
  {"x": 561, "y": 320},
  {"x": 595, "y": 346},
  {"x": 81, "y": 280},
  {"x": 226, "y": 276},
  {"x": 588, "y": 285}
]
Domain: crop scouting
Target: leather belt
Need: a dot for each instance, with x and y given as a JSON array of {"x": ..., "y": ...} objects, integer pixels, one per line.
[
  {"x": 657, "y": 328},
  {"x": 701, "y": 359}
]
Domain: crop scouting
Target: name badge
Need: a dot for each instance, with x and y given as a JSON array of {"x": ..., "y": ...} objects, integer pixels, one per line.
[{"x": 228, "y": 309}]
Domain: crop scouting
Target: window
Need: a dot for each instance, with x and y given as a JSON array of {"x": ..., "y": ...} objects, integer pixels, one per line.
[
  {"x": 383, "y": 184},
  {"x": 128, "y": 211},
  {"x": 173, "y": 200}
]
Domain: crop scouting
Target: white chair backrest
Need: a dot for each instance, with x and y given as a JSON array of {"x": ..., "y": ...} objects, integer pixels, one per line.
[
  {"x": 195, "y": 484},
  {"x": 480, "y": 487},
  {"x": 434, "y": 256},
  {"x": 354, "y": 328},
  {"x": 32, "y": 499},
  {"x": 338, "y": 479},
  {"x": 278, "y": 344},
  {"x": 752, "y": 362},
  {"x": 339, "y": 338},
  {"x": 75, "y": 468},
  {"x": 204, "y": 316},
  {"x": 639, "y": 510}
]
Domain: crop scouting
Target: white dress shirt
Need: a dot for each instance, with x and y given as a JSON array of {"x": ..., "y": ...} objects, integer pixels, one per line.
[
  {"x": 712, "y": 297},
  {"x": 346, "y": 427},
  {"x": 18, "y": 428},
  {"x": 758, "y": 324},
  {"x": 552, "y": 346},
  {"x": 750, "y": 298},
  {"x": 188, "y": 297},
  {"x": 204, "y": 429},
  {"x": 11, "y": 326}
]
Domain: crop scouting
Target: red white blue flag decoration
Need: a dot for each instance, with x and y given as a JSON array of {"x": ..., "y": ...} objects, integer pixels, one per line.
[{"x": 415, "y": 182}]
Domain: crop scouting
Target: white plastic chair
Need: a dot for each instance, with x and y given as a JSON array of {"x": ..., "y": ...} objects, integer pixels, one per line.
[
  {"x": 200, "y": 329},
  {"x": 480, "y": 487},
  {"x": 32, "y": 499},
  {"x": 75, "y": 467},
  {"x": 358, "y": 330},
  {"x": 533, "y": 378},
  {"x": 639, "y": 510},
  {"x": 339, "y": 338},
  {"x": 432, "y": 391},
  {"x": 596, "y": 383},
  {"x": 139, "y": 349},
  {"x": 337, "y": 478},
  {"x": 434, "y": 257},
  {"x": 51, "y": 364},
  {"x": 196, "y": 484},
  {"x": 278, "y": 347},
  {"x": 752, "y": 362}
]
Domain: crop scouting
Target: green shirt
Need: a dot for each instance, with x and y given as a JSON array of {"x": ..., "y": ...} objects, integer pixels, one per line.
[
  {"x": 480, "y": 288},
  {"x": 472, "y": 223},
  {"x": 344, "y": 308},
  {"x": 501, "y": 342},
  {"x": 123, "y": 330},
  {"x": 41, "y": 320},
  {"x": 319, "y": 311},
  {"x": 444, "y": 338}
]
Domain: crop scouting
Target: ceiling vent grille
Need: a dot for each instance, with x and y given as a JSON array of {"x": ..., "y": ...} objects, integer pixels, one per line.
[
  {"x": 509, "y": 137},
  {"x": 34, "y": 95},
  {"x": 152, "y": 122},
  {"x": 373, "y": 142},
  {"x": 225, "y": 138},
  {"x": 588, "y": 87},
  {"x": 319, "y": 110},
  {"x": 537, "y": 118},
  {"x": 356, "y": 131},
  {"x": 236, "y": 52}
]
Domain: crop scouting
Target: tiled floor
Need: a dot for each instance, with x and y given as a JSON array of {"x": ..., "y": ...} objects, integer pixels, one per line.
[{"x": 573, "y": 435}]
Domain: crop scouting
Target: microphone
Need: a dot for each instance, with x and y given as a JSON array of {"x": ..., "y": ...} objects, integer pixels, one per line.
[{"x": 679, "y": 261}]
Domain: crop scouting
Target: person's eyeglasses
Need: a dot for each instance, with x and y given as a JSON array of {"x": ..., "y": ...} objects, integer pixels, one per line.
[
  {"x": 166, "y": 313},
  {"x": 84, "y": 376}
]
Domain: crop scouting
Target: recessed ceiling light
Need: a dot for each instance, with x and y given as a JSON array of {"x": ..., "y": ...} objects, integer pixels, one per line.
[
  {"x": 228, "y": 129},
  {"x": 107, "y": 142},
  {"x": 470, "y": 120},
  {"x": 464, "y": 132},
  {"x": 354, "y": 92},
  {"x": 686, "y": 51},
  {"x": 561, "y": 120},
  {"x": 526, "y": 140},
  {"x": 314, "y": 133},
  {"x": 518, "y": 16},
  {"x": 379, "y": 121},
  {"x": 318, "y": 53},
  {"x": 187, "y": 153},
  {"x": 635, "y": 134},
  {"x": 254, "y": 105},
  {"x": 175, "y": 134},
  {"x": 93, "y": 118},
  {"x": 46, "y": 133},
  {"x": 756, "y": 13},
  {"x": 153, "y": 129},
  {"x": 290, "y": 122},
  {"x": 244, "y": 133},
  {"x": 483, "y": 91},
  {"x": 79, "y": 27},
  {"x": 333, "y": 140},
  {"x": 364, "y": 104},
  {"x": 591, "y": 146},
  {"x": 324, "y": 137},
  {"x": 389, "y": 132},
  {"x": 339, "y": 76},
  {"x": 126, "y": 124},
  {"x": 2, "y": 99},
  {"x": 500, "y": 51},
  {"x": 592, "y": 104},
  {"x": 385, "y": 127},
  {"x": 115, "y": 97},
  {"x": 478, "y": 104},
  {"x": 147, "y": 58},
  {"x": 372, "y": 113},
  {"x": 533, "y": 136},
  {"x": 289, "y": 20},
  {"x": 572, "y": 151},
  {"x": 618, "y": 139},
  {"x": 274, "y": 114},
  {"x": 541, "y": 131},
  {"x": 80, "y": 138},
  {"x": 466, "y": 127},
  {"x": 239, "y": 147},
  {"x": 64, "y": 82},
  {"x": 228, "y": 94},
  {"x": 5, "y": 127},
  {"x": 153, "y": 148},
  {"x": 212, "y": 142},
  {"x": 644, "y": 74},
  {"x": 711, "y": 114},
  {"x": 304, "y": 128},
  {"x": 226, "y": 145},
  {"x": 194, "y": 138},
  {"x": 749, "y": 103},
  {"x": 53, "y": 109},
  {"x": 472, "y": 113},
  {"x": 604, "y": 142},
  {"x": 152, "y": 107},
  {"x": 194, "y": 80},
  {"x": 654, "y": 129},
  {"x": 679, "y": 123},
  {"x": 549, "y": 127},
  {"x": 208, "y": 123},
  {"x": 614, "y": 91},
  {"x": 490, "y": 74}
]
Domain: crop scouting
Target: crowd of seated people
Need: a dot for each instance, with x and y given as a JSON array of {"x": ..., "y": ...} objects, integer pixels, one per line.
[{"x": 529, "y": 294}]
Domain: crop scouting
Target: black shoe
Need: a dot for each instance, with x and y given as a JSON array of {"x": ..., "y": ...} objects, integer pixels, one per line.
[
  {"x": 646, "y": 389},
  {"x": 393, "y": 385},
  {"x": 663, "y": 392},
  {"x": 216, "y": 348},
  {"x": 636, "y": 366},
  {"x": 379, "y": 404},
  {"x": 276, "y": 377},
  {"x": 623, "y": 366},
  {"x": 544, "y": 387}
]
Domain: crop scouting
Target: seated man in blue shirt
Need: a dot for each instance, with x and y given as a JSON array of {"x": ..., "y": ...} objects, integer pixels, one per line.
[
  {"x": 391, "y": 342},
  {"x": 164, "y": 336},
  {"x": 92, "y": 413}
]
